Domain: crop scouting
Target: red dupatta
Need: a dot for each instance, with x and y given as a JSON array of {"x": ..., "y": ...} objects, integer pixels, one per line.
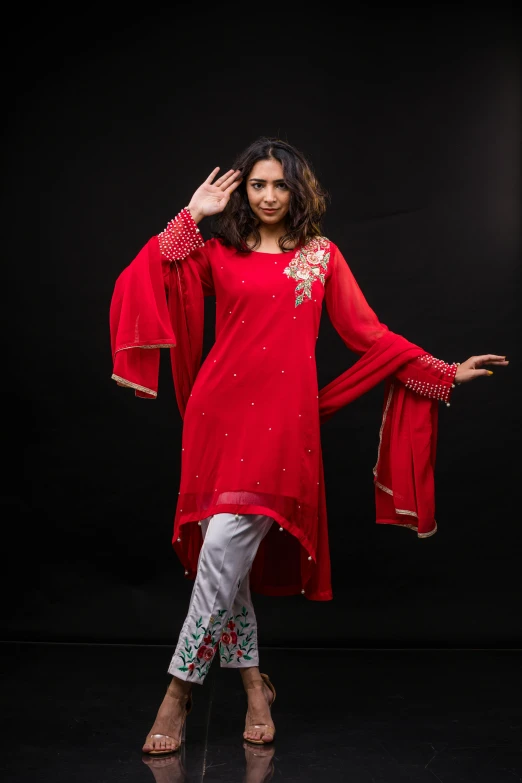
[
  {"x": 405, "y": 467},
  {"x": 143, "y": 320}
]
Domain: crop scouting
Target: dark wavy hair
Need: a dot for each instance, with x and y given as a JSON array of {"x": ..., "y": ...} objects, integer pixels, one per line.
[{"x": 308, "y": 199}]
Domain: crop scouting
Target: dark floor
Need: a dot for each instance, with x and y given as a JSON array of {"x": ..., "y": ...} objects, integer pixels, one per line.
[{"x": 80, "y": 713}]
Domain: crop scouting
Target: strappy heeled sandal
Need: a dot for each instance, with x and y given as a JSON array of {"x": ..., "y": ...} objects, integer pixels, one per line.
[
  {"x": 270, "y": 729},
  {"x": 180, "y": 739}
]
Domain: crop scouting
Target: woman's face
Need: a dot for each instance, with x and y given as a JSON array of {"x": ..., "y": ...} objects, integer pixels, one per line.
[{"x": 268, "y": 194}]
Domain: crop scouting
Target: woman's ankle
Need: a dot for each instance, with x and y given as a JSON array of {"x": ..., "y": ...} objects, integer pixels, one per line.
[
  {"x": 251, "y": 677},
  {"x": 179, "y": 689}
]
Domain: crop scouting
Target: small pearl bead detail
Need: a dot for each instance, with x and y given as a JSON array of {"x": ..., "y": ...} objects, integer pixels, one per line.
[
  {"x": 180, "y": 237},
  {"x": 435, "y": 390}
]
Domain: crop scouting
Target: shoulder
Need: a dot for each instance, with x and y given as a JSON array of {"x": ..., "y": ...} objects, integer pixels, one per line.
[
  {"x": 319, "y": 250},
  {"x": 212, "y": 251},
  {"x": 317, "y": 243},
  {"x": 215, "y": 245},
  {"x": 212, "y": 245},
  {"x": 321, "y": 245}
]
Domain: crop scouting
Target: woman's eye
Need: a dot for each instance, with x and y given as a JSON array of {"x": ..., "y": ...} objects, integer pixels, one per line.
[{"x": 259, "y": 185}]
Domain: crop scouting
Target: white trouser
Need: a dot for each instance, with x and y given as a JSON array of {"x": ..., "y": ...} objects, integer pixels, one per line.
[{"x": 220, "y": 619}]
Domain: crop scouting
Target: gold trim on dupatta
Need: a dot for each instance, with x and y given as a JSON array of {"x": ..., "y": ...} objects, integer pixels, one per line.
[
  {"x": 130, "y": 385},
  {"x": 402, "y": 511},
  {"x": 133, "y": 345}
]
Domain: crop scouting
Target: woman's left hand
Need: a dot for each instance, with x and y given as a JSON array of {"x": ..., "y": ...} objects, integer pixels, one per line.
[{"x": 472, "y": 367}]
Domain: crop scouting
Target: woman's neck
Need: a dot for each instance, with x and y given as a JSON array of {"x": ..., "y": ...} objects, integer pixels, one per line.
[{"x": 269, "y": 239}]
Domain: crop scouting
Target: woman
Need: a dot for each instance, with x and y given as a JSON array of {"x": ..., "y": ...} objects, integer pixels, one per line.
[{"x": 251, "y": 507}]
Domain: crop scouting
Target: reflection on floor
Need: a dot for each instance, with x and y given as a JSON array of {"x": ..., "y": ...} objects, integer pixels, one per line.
[{"x": 81, "y": 712}]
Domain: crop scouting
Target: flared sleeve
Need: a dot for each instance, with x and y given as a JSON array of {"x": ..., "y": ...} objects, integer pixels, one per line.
[
  {"x": 157, "y": 302},
  {"x": 414, "y": 383},
  {"x": 360, "y": 328},
  {"x": 381, "y": 352}
]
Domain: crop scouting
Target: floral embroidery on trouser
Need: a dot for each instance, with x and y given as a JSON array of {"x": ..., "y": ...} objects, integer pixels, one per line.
[
  {"x": 238, "y": 643},
  {"x": 220, "y": 620}
]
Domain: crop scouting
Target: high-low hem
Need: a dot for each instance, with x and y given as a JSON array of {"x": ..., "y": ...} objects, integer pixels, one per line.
[{"x": 308, "y": 564}]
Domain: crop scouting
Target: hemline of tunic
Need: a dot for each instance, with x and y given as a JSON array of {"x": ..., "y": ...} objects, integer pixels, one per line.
[{"x": 290, "y": 527}]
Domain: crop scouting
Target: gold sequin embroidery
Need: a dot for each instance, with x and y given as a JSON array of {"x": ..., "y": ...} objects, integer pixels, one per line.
[{"x": 308, "y": 265}]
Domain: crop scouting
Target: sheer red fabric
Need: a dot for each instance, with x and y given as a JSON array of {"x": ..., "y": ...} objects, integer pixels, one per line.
[{"x": 252, "y": 410}]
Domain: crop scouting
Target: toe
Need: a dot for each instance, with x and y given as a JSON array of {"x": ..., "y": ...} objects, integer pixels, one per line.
[
  {"x": 166, "y": 744},
  {"x": 162, "y": 743}
]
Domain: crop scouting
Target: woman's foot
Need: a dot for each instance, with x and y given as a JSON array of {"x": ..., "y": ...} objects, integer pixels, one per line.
[
  {"x": 169, "y": 720},
  {"x": 260, "y": 697}
]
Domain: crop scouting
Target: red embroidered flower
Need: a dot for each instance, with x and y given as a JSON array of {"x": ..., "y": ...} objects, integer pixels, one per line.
[
  {"x": 239, "y": 653},
  {"x": 225, "y": 638},
  {"x": 207, "y": 639},
  {"x": 233, "y": 636},
  {"x": 201, "y": 651},
  {"x": 208, "y": 654},
  {"x": 191, "y": 667},
  {"x": 231, "y": 624}
]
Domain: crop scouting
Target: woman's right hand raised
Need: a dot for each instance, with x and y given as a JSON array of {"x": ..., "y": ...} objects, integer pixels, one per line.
[{"x": 212, "y": 197}]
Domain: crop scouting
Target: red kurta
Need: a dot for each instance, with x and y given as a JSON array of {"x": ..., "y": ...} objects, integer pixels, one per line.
[{"x": 251, "y": 421}]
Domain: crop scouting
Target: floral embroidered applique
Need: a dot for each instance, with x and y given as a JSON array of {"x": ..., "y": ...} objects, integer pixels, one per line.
[
  {"x": 308, "y": 265},
  {"x": 198, "y": 651},
  {"x": 236, "y": 642}
]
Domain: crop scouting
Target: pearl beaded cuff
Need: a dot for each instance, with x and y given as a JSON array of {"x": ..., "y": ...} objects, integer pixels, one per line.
[
  {"x": 180, "y": 237},
  {"x": 436, "y": 390}
]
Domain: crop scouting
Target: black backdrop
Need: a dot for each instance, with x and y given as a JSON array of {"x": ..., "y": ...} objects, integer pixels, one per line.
[{"x": 413, "y": 125}]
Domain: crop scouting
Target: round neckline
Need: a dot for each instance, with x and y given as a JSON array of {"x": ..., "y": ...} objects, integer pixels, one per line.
[{"x": 265, "y": 253}]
